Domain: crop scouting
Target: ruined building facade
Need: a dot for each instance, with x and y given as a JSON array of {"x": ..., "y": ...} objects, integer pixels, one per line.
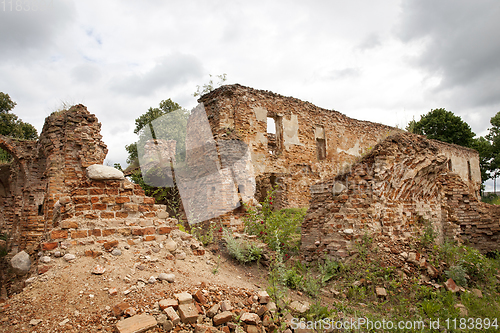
[
  {"x": 355, "y": 176},
  {"x": 309, "y": 144}
]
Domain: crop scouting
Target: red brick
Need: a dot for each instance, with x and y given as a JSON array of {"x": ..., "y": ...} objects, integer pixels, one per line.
[
  {"x": 149, "y": 214},
  {"x": 164, "y": 230},
  {"x": 43, "y": 269},
  {"x": 111, "y": 191},
  {"x": 94, "y": 199},
  {"x": 149, "y": 231},
  {"x": 91, "y": 216},
  {"x": 69, "y": 225},
  {"x": 96, "y": 191},
  {"x": 199, "y": 252},
  {"x": 124, "y": 231},
  {"x": 143, "y": 208},
  {"x": 95, "y": 232},
  {"x": 110, "y": 245},
  {"x": 67, "y": 216},
  {"x": 131, "y": 206},
  {"x": 126, "y": 192},
  {"x": 49, "y": 246},
  {"x": 80, "y": 208},
  {"x": 99, "y": 184},
  {"x": 108, "y": 232},
  {"x": 108, "y": 200},
  {"x": 137, "y": 231},
  {"x": 57, "y": 234},
  {"x": 107, "y": 215},
  {"x": 120, "y": 200},
  {"x": 92, "y": 253},
  {"x": 139, "y": 192},
  {"x": 79, "y": 191},
  {"x": 149, "y": 238},
  {"x": 116, "y": 207},
  {"x": 149, "y": 201},
  {"x": 130, "y": 242},
  {"x": 112, "y": 184},
  {"x": 78, "y": 233},
  {"x": 122, "y": 215},
  {"x": 99, "y": 206},
  {"x": 80, "y": 200}
]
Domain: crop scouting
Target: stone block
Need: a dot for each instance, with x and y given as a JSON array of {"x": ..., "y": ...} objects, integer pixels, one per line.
[
  {"x": 124, "y": 231},
  {"x": 136, "y": 324},
  {"x": 172, "y": 315},
  {"x": 165, "y": 303},
  {"x": 188, "y": 313},
  {"x": 222, "y": 318},
  {"x": 250, "y": 318},
  {"x": 184, "y": 298},
  {"x": 69, "y": 224}
]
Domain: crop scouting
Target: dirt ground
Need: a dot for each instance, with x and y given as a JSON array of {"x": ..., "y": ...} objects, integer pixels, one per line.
[{"x": 70, "y": 298}]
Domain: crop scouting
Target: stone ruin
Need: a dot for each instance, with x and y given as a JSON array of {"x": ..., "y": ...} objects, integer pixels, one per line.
[
  {"x": 405, "y": 184},
  {"x": 355, "y": 176},
  {"x": 46, "y": 195}
]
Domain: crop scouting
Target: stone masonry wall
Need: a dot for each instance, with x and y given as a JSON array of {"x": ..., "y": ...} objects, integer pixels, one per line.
[
  {"x": 46, "y": 193},
  {"x": 311, "y": 144},
  {"x": 404, "y": 183}
]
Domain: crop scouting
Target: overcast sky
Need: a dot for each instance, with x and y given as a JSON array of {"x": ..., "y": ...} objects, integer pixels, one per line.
[{"x": 384, "y": 61}]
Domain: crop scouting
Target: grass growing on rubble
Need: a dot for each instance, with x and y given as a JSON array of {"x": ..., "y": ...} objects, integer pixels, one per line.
[{"x": 279, "y": 229}]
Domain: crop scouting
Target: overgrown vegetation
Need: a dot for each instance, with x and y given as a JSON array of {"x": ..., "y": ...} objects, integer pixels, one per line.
[
  {"x": 241, "y": 250},
  {"x": 279, "y": 229}
]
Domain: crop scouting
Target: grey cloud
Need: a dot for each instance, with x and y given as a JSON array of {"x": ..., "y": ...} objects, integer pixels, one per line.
[
  {"x": 168, "y": 72},
  {"x": 29, "y": 30},
  {"x": 461, "y": 45},
  {"x": 86, "y": 73},
  {"x": 371, "y": 41},
  {"x": 343, "y": 73}
]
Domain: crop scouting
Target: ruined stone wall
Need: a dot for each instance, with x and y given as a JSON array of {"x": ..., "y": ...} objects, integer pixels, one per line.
[
  {"x": 310, "y": 143},
  {"x": 398, "y": 188},
  {"x": 43, "y": 171}
]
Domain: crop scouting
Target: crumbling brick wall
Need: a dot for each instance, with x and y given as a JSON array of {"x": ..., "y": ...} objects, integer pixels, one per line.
[
  {"x": 404, "y": 183},
  {"x": 310, "y": 144},
  {"x": 45, "y": 183}
]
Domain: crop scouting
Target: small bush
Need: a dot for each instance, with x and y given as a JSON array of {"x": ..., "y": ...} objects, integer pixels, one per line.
[
  {"x": 279, "y": 228},
  {"x": 241, "y": 250},
  {"x": 457, "y": 274}
]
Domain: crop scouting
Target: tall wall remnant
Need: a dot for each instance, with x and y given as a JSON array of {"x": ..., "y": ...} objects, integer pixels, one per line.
[
  {"x": 306, "y": 144},
  {"x": 45, "y": 192},
  {"x": 44, "y": 170},
  {"x": 405, "y": 182}
]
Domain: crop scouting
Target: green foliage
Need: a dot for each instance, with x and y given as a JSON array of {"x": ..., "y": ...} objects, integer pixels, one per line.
[
  {"x": 200, "y": 91},
  {"x": 6, "y": 103},
  {"x": 171, "y": 127},
  {"x": 241, "y": 250},
  {"x": 330, "y": 269},
  {"x": 443, "y": 125},
  {"x": 275, "y": 228},
  {"x": 457, "y": 274},
  {"x": 491, "y": 199},
  {"x": 429, "y": 236},
  {"x": 204, "y": 235},
  {"x": 12, "y": 126}
]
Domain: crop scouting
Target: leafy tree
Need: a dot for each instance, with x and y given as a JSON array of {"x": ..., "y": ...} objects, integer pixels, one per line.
[
  {"x": 173, "y": 126},
  {"x": 494, "y": 153},
  {"x": 12, "y": 126},
  {"x": 483, "y": 146},
  {"x": 443, "y": 125},
  {"x": 200, "y": 91}
]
